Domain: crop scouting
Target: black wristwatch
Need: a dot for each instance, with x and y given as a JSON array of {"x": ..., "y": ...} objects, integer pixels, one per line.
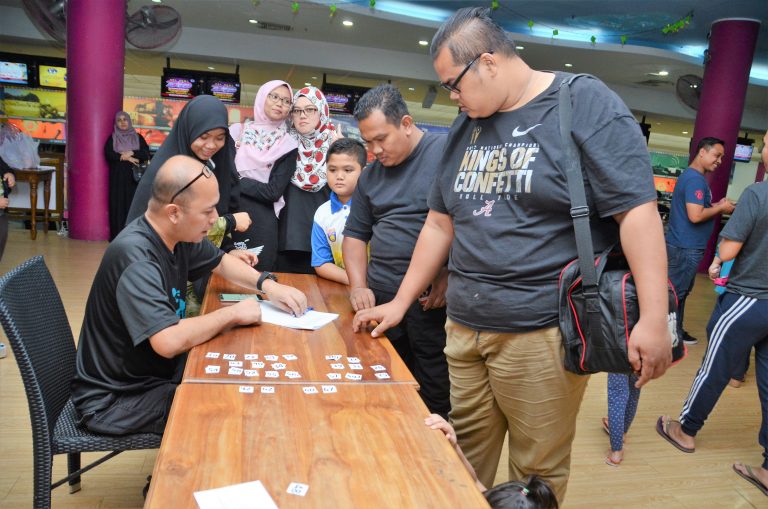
[{"x": 263, "y": 277}]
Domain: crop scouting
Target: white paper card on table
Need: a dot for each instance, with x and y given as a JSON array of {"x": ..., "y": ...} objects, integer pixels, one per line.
[
  {"x": 334, "y": 376},
  {"x": 230, "y": 356},
  {"x": 378, "y": 367},
  {"x": 353, "y": 376},
  {"x": 278, "y": 366},
  {"x": 311, "y": 320},
  {"x": 382, "y": 376},
  {"x": 235, "y": 364},
  {"x": 337, "y": 365},
  {"x": 237, "y": 496},
  {"x": 290, "y": 357},
  {"x": 353, "y": 360},
  {"x": 296, "y": 488},
  {"x": 357, "y": 367},
  {"x": 257, "y": 365},
  {"x": 248, "y": 389},
  {"x": 212, "y": 355},
  {"x": 251, "y": 356},
  {"x": 332, "y": 357},
  {"x": 310, "y": 390},
  {"x": 292, "y": 374},
  {"x": 256, "y": 250},
  {"x": 328, "y": 389},
  {"x": 235, "y": 371},
  {"x": 267, "y": 389},
  {"x": 271, "y": 374},
  {"x": 212, "y": 370},
  {"x": 251, "y": 372},
  {"x": 270, "y": 357}
]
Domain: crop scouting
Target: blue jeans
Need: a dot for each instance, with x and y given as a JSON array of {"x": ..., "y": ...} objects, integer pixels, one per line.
[{"x": 682, "y": 263}]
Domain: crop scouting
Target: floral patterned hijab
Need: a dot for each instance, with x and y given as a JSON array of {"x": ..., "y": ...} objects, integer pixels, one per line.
[{"x": 310, "y": 172}]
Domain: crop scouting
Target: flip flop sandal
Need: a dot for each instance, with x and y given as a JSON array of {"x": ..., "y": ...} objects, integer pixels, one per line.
[
  {"x": 662, "y": 428},
  {"x": 605, "y": 426},
  {"x": 751, "y": 478},
  {"x": 611, "y": 463}
]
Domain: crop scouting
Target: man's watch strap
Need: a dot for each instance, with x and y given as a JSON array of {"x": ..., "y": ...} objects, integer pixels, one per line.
[{"x": 263, "y": 277}]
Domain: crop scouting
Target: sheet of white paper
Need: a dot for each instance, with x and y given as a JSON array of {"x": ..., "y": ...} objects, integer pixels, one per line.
[
  {"x": 311, "y": 320},
  {"x": 256, "y": 250},
  {"x": 238, "y": 496}
]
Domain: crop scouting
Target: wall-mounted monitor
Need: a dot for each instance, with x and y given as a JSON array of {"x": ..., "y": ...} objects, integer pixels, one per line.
[
  {"x": 179, "y": 85},
  {"x": 225, "y": 89},
  {"x": 342, "y": 98},
  {"x": 14, "y": 73},
  {"x": 743, "y": 153},
  {"x": 52, "y": 76}
]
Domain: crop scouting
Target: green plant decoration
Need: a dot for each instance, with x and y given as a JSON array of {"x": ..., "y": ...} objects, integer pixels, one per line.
[{"x": 295, "y": 7}]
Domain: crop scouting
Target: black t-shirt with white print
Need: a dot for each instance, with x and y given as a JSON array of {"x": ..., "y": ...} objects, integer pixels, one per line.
[
  {"x": 503, "y": 184},
  {"x": 139, "y": 290}
]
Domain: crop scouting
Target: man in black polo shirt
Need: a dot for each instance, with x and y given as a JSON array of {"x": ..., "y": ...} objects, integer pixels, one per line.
[
  {"x": 135, "y": 334},
  {"x": 389, "y": 208}
]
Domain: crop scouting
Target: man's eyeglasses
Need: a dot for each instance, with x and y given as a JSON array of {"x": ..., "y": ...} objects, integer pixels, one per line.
[
  {"x": 307, "y": 112},
  {"x": 453, "y": 86},
  {"x": 282, "y": 100},
  {"x": 205, "y": 172}
]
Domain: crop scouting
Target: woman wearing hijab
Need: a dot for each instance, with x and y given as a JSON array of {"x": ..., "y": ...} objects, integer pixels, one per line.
[
  {"x": 260, "y": 143},
  {"x": 200, "y": 132},
  {"x": 124, "y": 149},
  {"x": 299, "y": 177}
]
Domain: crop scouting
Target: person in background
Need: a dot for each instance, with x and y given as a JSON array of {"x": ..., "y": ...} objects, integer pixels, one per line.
[
  {"x": 260, "y": 143},
  {"x": 738, "y": 323},
  {"x": 124, "y": 149},
  {"x": 691, "y": 218},
  {"x": 8, "y": 181},
  {"x": 345, "y": 161},
  {"x": 623, "y": 396}
]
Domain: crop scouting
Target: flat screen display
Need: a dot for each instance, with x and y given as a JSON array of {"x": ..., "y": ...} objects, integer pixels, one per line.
[
  {"x": 743, "y": 153},
  {"x": 179, "y": 86},
  {"x": 15, "y": 73},
  {"x": 52, "y": 76},
  {"x": 664, "y": 184},
  {"x": 226, "y": 90},
  {"x": 343, "y": 98}
]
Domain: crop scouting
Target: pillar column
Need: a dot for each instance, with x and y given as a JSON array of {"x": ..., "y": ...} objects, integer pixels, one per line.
[
  {"x": 726, "y": 76},
  {"x": 95, "y": 60}
]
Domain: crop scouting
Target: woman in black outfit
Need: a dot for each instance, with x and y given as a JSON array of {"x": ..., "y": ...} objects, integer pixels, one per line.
[{"x": 124, "y": 148}]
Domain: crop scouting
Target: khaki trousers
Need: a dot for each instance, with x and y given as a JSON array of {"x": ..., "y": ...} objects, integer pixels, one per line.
[{"x": 513, "y": 383}]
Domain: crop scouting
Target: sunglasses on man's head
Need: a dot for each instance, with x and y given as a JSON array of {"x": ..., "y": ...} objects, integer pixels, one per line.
[{"x": 205, "y": 172}]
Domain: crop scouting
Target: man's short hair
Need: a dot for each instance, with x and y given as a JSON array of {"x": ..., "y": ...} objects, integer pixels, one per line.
[
  {"x": 708, "y": 143},
  {"x": 349, "y": 146},
  {"x": 471, "y": 32},
  {"x": 385, "y": 98}
]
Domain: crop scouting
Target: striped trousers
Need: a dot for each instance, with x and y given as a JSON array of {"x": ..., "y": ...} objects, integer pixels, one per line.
[{"x": 738, "y": 323}]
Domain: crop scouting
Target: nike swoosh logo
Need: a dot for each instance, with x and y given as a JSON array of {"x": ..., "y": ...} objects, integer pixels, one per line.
[{"x": 517, "y": 133}]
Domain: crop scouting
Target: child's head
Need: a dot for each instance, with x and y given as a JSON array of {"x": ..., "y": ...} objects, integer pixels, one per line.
[
  {"x": 344, "y": 163},
  {"x": 534, "y": 493}
]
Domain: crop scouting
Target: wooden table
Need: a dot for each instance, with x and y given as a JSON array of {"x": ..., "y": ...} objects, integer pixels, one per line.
[
  {"x": 310, "y": 347},
  {"x": 363, "y": 446},
  {"x": 34, "y": 176}
]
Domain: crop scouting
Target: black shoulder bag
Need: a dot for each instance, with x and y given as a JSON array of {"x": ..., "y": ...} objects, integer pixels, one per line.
[{"x": 598, "y": 299}]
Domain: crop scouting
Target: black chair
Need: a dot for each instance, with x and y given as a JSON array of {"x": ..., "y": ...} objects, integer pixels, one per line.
[{"x": 36, "y": 324}]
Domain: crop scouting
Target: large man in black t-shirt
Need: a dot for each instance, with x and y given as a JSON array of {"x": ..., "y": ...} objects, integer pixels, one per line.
[
  {"x": 388, "y": 210},
  {"x": 135, "y": 334},
  {"x": 500, "y": 208}
]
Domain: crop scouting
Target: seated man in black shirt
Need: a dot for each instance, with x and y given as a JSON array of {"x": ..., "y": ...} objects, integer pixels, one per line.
[{"x": 134, "y": 336}]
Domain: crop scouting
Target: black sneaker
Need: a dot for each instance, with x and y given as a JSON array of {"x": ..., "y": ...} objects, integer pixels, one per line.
[
  {"x": 688, "y": 339},
  {"x": 146, "y": 488}
]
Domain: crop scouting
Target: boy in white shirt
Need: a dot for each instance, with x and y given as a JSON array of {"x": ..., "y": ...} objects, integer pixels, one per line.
[{"x": 344, "y": 164}]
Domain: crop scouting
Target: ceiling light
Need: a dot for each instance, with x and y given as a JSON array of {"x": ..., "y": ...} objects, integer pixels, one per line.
[
  {"x": 252, "y": 21},
  {"x": 314, "y": 77},
  {"x": 685, "y": 132},
  {"x": 211, "y": 67},
  {"x": 347, "y": 23},
  {"x": 518, "y": 48},
  {"x": 569, "y": 65},
  {"x": 157, "y": 1},
  {"x": 663, "y": 73},
  {"x": 423, "y": 42},
  {"x": 307, "y": 84},
  {"x": 411, "y": 89}
]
